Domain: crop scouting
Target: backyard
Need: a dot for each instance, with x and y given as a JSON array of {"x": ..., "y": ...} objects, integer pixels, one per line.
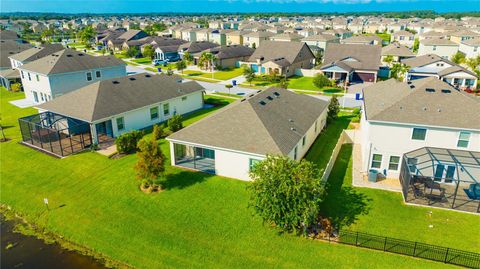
[
  {"x": 306, "y": 83},
  {"x": 201, "y": 220},
  {"x": 224, "y": 74}
]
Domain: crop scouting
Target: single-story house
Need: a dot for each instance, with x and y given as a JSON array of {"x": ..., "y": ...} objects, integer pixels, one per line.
[
  {"x": 228, "y": 56},
  {"x": 194, "y": 47},
  {"x": 397, "y": 51},
  {"x": 281, "y": 58},
  {"x": 352, "y": 62},
  {"x": 432, "y": 65},
  {"x": 115, "y": 106},
  {"x": 228, "y": 143}
]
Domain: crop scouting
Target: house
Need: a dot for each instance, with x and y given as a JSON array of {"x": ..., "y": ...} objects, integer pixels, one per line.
[
  {"x": 65, "y": 71},
  {"x": 281, "y": 58},
  {"x": 397, "y": 51},
  {"x": 340, "y": 33},
  {"x": 7, "y": 49},
  {"x": 440, "y": 46},
  {"x": 10, "y": 35},
  {"x": 287, "y": 37},
  {"x": 363, "y": 40},
  {"x": 462, "y": 35},
  {"x": 194, "y": 47},
  {"x": 115, "y": 106},
  {"x": 431, "y": 34},
  {"x": 166, "y": 48},
  {"x": 403, "y": 37},
  {"x": 274, "y": 121},
  {"x": 471, "y": 47},
  {"x": 400, "y": 117},
  {"x": 33, "y": 54},
  {"x": 105, "y": 36},
  {"x": 189, "y": 34},
  {"x": 432, "y": 65},
  {"x": 227, "y": 56},
  {"x": 218, "y": 36},
  {"x": 318, "y": 43},
  {"x": 352, "y": 62},
  {"x": 255, "y": 39},
  {"x": 117, "y": 43},
  {"x": 203, "y": 34},
  {"x": 235, "y": 37}
]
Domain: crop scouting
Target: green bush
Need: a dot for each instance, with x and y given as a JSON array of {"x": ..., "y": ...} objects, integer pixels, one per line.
[
  {"x": 157, "y": 132},
  {"x": 175, "y": 123},
  {"x": 127, "y": 142},
  {"x": 321, "y": 81},
  {"x": 16, "y": 87}
]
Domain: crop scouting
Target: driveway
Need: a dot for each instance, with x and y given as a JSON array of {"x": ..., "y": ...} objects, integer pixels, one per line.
[{"x": 358, "y": 87}]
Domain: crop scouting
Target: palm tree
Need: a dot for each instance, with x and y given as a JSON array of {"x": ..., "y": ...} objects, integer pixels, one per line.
[
  {"x": 398, "y": 71},
  {"x": 388, "y": 60}
]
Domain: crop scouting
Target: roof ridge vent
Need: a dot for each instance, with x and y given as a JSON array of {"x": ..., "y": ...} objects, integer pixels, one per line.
[
  {"x": 132, "y": 78},
  {"x": 430, "y": 90},
  {"x": 262, "y": 103},
  {"x": 446, "y": 91},
  {"x": 115, "y": 82},
  {"x": 269, "y": 98},
  {"x": 147, "y": 75}
]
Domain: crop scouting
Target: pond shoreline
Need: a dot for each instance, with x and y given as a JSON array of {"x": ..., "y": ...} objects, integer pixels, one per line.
[{"x": 20, "y": 229}]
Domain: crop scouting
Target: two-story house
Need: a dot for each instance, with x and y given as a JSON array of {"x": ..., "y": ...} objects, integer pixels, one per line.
[{"x": 440, "y": 46}]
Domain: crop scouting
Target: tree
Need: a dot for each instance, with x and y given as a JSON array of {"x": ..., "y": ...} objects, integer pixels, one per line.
[
  {"x": 318, "y": 57},
  {"x": 229, "y": 86},
  {"x": 131, "y": 52},
  {"x": 283, "y": 83},
  {"x": 458, "y": 58},
  {"x": 148, "y": 51},
  {"x": 320, "y": 81},
  {"x": 254, "y": 46},
  {"x": 388, "y": 60},
  {"x": 286, "y": 193},
  {"x": 416, "y": 45},
  {"x": 187, "y": 57},
  {"x": 86, "y": 35},
  {"x": 151, "y": 162},
  {"x": 157, "y": 132},
  {"x": 206, "y": 61},
  {"x": 181, "y": 65},
  {"x": 398, "y": 71},
  {"x": 333, "y": 109},
  {"x": 248, "y": 74},
  {"x": 175, "y": 123},
  {"x": 474, "y": 63}
]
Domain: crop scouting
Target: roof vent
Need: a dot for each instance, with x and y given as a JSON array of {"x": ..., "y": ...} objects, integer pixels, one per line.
[
  {"x": 262, "y": 103},
  {"x": 424, "y": 108},
  {"x": 412, "y": 86},
  {"x": 115, "y": 82},
  {"x": 409, "y": 82},
  {"x": 132, "y": 79},
  {"x": 147, "y": 75},
  {"x": 290, "y": 120},
  {"x": 439, "y": 110},
  {"x": 243, "y": 99},
  {"x": 276, "y": 94},
  {"x": 269, "y": 98},
  {"x": 80, "y": 54},
  {"x": 69, "y": 55},
  {"x": 292, "y": 129},
  {"x": 251, "y": 95},
  {"x": 446, "y": 91},
  {"x": 429, "y": 90}
]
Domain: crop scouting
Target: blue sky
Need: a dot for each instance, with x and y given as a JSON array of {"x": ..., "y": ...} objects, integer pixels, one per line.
[{"x": 139, "y": 6}]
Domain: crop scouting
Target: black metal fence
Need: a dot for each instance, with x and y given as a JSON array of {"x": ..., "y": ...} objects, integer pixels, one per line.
[{"x": 410, "y": 248}]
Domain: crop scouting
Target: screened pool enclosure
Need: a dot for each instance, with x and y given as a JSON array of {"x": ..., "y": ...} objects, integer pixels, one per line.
[
  {"x": 197, "y": 158},
  {"x": 445, "y": 178},
  {"x": 55, "y": 134}
]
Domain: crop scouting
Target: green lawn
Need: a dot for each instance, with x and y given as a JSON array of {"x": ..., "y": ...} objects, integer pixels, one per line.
[
  {"x": 198, "y": 221},
  {"x": 383, "y": 213},
  {"x": 306, "y": 83},
  {"x": 144, "y": 60},
  {"x": 228, "y": 73}
]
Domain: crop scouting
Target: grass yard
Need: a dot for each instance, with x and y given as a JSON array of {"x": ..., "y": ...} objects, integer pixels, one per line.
[
  {"x": 383, "y": 212},
  {"x": 228, "y": 73},
  {"x": 144, "y": 60},
  {"x": 306, "y": 83},
  {"x": 198, "y": 221}
]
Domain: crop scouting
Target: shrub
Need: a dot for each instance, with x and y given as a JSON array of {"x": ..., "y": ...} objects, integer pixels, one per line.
[
  {"x": 333, "y": 109},
  {"x": 321, "y": 81},
  {"x": 127, "y": 142},
  {"x": 157, "y": 132},
  {"x": 16, "y": 87},
  {"x": 175, "y": 123}
]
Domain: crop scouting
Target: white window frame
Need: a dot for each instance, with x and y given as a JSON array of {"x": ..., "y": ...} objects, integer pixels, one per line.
[
  {"x": 390, "y": 162},
  {"x": 373, "y": 160},
  {"x": 123, "y": 123},
  {"x": 468, "y": 141},
  {"x": 413, "y": 130},
  {"x": 158, "y": 115}
]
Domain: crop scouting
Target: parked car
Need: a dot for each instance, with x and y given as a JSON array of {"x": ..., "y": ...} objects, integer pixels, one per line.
[{"x": 160, "y": 62}]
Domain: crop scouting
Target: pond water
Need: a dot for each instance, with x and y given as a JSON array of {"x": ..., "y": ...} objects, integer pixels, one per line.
[{"x": 27, "y": 252}]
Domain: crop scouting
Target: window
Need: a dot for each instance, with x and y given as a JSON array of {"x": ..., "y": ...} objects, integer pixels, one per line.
[
  {"x": 29, "y": 78},
  {"x": 434, "y": 47},
  {"x": 463, "y": 140},
  {"x": 295, "y": 153},
  {"x": 37, "y": 77},
  {"x": 89, "y": 76},
  {"x": 120, "y": 124},
  {"x": 393, "y": 164},
  {"x": 154, "y": 113},
  {"x": 98, "y": 74},
  {"x": 21, "y": 72},
  {"x": 252, "y": 162},
  {"x": 377, "y": 160},
  {"x": 419, "y": 134},
  {"x": 184, "y": 98},
  {"x": 205, "y": 153},
  {"x": 166, "y": 109},
  {"x": 303, "y": 140},
  {"x": 41, "y": 95},
  {"x": 35, "y": 97}
]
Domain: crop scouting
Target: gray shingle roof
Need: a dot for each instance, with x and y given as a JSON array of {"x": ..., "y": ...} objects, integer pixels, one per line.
[
  {"x": 227, "y": 52},
  {"x": 37, "y": 52},
  {"x": 397, "y": 50},
  {"x": 9, "y": 48},
  {"x": 438, "y": 42},
  {"x": 114, "y": 96},
  {"x": 197, "y": 46},
  {"x": 274, "y": 127},
  {"x": 367, "y": 56},
  {"x": 394, "y": 101},
  {"x": 292, "y": 51},
  {"x": 68, "y": 60}
]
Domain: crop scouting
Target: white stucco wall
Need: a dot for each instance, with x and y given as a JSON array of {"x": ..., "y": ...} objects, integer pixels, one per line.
[
  {"x": 442, "y": 51},
  {"x": 391, "y": 139},
  {"x": 469, "y": 51}
]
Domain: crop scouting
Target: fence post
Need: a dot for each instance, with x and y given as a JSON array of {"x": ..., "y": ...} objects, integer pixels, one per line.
[
  {"x": 415, "y": 249},
  {"x": 385, "y": 245},
  {"x": 446, "y": 255},
  {"x": 356, "y": 240}
]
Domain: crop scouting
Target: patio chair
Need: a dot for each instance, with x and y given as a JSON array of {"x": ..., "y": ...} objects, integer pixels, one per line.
[{"x": 473, "y": 192}]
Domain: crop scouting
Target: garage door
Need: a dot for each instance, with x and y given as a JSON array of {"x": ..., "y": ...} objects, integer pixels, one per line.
[{"x": 363, "y": 77}]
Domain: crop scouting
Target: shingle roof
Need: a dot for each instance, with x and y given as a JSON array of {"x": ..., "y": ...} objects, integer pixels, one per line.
[
  {"x": 37, "y": 52},
  {"x": 289, "y": 36},
  {"x": 367, "y": 56},
  {"x": 292, "y": 51},
  {"x": 197, "y": 46},
  {"x": 8, "y": 35},
  {"x": 259, "y": 34},
  {"x": 361, "y": 39},
  {"x": 441, "y": 105},
  {"x": 438, "y": 42},
  {"x": 274, "y": 127},
  {"x": 232, "y": 51},
  {"x": 129, "y": 34},
  {"x": 320, "y": 37},
  {"x": 114, "y": 96},
  {"x": 68, "y": 60},
  {"x": 472, "y": 42},
  {"x": 397, "y": 50},
  {"x": 9, "y": 48},
  {"x": 424, "y": 60}
]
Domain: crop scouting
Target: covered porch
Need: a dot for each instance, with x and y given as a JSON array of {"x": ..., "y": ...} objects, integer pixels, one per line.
[
  {"x": 443, "y": 178},
  {"x": 194, "y": 157}
]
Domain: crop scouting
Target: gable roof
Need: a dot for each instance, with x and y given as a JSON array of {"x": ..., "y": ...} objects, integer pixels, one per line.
[
  {"x": 119, "y": 95},
  {"x": 37, "y": 52},
  {"x": 289, "y": 36},
  {"x": 130, "y": 34},
  {"x": 367, "y": 56},
  {"x": 274, "y": 127},
  {"x": 293, "y": 52},
  {"x": 395, "y": 49},
  {"x": 231, "y": 51},
  {"x": 437, "y": 42},
  {"x": 69, "y": 60},
  {"x": 411, "y": 103},
  {"x": 197, "y": 46},
  {"x": 8, "y": 35},
  {"x": 320, "y": 37},
  {"x": 9, "y": 48},
  {"x": 362, "y": 39}
]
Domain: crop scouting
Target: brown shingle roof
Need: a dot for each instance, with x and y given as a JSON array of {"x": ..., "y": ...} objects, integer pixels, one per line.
[
  {"x": 367, "y": 56},
  {"x": 292, "y": 51}
]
